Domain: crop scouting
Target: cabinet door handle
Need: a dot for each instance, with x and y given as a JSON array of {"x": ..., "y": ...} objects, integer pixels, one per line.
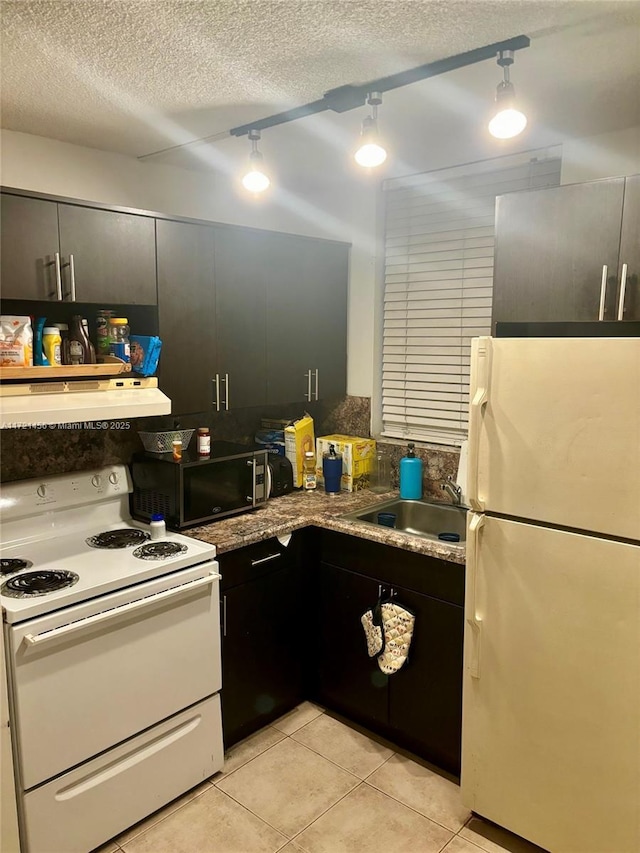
[
  {"x": 72, "y": 276},
  {"x": 316, "y": 383},
  {"x": 224, "y": 615},
  {"x": 216, "y": 383},
  {"x": 308, "y": 392},
  {"x": 58, "y": 276},
  {"x": 603, "y": 291},
  {"x": 225, "y": 402},
  {"x": 266, "y": 559},
  {"x": 623, "y": 288}
]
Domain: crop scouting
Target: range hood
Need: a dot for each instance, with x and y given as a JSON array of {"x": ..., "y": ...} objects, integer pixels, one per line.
[{"x": 81, "y": 402}]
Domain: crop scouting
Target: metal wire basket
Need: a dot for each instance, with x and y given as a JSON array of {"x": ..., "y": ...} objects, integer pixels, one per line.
[{"x": 161, "y": 442}]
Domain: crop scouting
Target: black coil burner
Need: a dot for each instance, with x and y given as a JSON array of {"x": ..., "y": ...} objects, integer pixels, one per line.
[
  {"x": 159, "y": 550},
  {"x": 13, "y": 564},
  {"x": 124, "y": 537},
  {"x": 30, "y": 584}
]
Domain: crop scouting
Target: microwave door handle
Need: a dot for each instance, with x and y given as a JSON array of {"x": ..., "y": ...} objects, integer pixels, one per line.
[
  {"x": 252, "y": 499},
  {"x": 269, "y": 480}
]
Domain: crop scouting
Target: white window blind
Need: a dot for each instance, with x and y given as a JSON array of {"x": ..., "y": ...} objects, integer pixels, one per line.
[{"x": 439, "y": 240}]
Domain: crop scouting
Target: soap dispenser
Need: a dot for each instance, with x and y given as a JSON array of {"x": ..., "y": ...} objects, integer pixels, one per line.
[{"x": 411, "y": 475}]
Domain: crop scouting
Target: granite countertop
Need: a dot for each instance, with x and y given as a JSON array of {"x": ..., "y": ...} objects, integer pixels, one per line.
[{"x": 292, "y": 512}]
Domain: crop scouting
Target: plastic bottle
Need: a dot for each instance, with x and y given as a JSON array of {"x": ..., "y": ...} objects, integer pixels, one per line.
[
  {"x": 157, "y": 528},
  {"x": 119, "y": 338},
  {"x": 411, "y": 475},
  {"x": 309, "y": 470},
  {"x": 92, "y": 349},
  {"x": 204, "y": 442},
  {"x": 176, "y": 448},
  {"x": 79, "y": 346},
  {"x": 52, "y": 343},
  {"x": 64, "y": 347}
]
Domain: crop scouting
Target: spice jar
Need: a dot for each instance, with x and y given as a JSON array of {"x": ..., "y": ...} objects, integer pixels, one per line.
[
  {"x": 176, "y": 448},
  {"x": 204, "y": 441}
]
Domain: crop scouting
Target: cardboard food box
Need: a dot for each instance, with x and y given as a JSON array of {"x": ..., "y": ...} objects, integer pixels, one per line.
[
  {"x": 357, "y": 455},
  {"x": 298, "y": 439}
]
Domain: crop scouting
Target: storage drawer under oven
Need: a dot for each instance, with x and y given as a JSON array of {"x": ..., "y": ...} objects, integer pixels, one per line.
[
  {"x": 81, "y": 809},
  {"x": 90, "y": 676}
]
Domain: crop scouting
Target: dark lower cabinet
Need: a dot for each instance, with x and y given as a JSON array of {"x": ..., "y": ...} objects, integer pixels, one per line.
[
  {"x": 420, "y": 706},
  {"x": 263, "y": 636},
  {"x": 425, "y": 696},
  {"x": 347, "y": 679}
]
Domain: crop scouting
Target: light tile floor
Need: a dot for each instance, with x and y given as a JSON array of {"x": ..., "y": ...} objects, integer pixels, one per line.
[{"x": 311, "y": 784}]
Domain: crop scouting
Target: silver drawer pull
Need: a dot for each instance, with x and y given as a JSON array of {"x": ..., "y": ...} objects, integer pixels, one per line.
[
  {"x": 265, "y": 559},
  {"x": 115, "y": 612}
]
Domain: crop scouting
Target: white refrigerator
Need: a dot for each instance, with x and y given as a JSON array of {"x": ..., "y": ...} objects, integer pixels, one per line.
[{"x": 551, "y": 701}]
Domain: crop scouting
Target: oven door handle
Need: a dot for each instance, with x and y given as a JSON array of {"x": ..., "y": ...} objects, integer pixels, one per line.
[{"x": 116, "y": 612}]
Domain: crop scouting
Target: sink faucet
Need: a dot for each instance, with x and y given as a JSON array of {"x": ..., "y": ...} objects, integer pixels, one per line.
[{"x": 453, "y": 490}]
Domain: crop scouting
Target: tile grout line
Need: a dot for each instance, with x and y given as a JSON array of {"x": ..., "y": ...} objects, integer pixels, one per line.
[
  {"x": 433, "y": 820},
  {"x": 261, "y": 819}
]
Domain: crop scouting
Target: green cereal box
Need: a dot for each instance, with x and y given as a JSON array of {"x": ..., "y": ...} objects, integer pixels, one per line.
[{"x": 357, "y": 454}]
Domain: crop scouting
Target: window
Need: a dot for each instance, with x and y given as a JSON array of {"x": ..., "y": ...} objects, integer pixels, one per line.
[{"x": 439, "y": 238}]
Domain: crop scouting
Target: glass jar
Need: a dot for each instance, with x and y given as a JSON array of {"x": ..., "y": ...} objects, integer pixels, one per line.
[
  {"x": 102, "y": 331},
  {"x": 119, "y": 338},
  {"x": 204, "y": 442},
  {"x": 380, "y": 475}
]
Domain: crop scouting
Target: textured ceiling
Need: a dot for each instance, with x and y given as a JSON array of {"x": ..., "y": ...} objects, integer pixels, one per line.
[{"x": 135, "y": 77}]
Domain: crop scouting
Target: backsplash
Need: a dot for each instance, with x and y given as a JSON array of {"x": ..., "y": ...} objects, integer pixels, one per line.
[{"x": 26, "y": 453}]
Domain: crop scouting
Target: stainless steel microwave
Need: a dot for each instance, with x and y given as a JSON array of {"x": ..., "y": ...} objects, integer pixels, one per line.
[{"x": 193, "y": 490}]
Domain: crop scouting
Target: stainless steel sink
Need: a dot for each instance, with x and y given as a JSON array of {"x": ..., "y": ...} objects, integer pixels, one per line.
[{"x": 421, "y": 518}]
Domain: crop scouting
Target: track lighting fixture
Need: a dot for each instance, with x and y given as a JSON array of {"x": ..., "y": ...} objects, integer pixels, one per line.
[
  {"x": 508, "y": 121},
  {"x": 371, "y": 152},
  {"x": 256, "y": 181}
]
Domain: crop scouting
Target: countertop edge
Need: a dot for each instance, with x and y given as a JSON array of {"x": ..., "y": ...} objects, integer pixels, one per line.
[{"x": 285, "y": 515}]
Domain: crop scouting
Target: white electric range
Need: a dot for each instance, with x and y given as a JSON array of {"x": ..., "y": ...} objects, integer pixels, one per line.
[{"x": 113, "y": 659}]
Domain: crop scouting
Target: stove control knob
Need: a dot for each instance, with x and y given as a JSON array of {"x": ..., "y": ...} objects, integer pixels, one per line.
[
  {"x": 41, "y": 491},
  {"x": 113, "y": 478},
  {"x": 96, "y": 481}
]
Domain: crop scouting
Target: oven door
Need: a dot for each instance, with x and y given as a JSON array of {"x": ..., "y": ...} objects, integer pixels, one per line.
[
  {"x": 87, "y": 677},
  {"x": 223, "y": 487}
]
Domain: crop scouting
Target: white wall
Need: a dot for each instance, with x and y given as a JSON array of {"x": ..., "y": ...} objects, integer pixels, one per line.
[
  {"x": 345, "y": 211},
  {"x": 337, "y": 212},
  {"x": 603, "y": 156}
]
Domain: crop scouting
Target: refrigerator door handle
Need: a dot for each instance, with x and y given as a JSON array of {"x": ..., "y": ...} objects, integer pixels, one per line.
[
  {"x": 473, "y": 651},
  {"x": 481, "y": 362}
]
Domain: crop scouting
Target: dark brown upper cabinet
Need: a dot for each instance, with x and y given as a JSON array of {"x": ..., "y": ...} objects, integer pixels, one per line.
[
  {"x": 555, "y": 247},
  {"x": 186, "y": 315},
  {"x": 306, "y": 319},
  {"x": 241, "y": 294},
  {"x": 68, "y": 253}
]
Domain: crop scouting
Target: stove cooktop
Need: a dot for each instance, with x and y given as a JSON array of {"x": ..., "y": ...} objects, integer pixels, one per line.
[
  {"x": 71, "y": 538},
  {"x": 98, "y": 570}
]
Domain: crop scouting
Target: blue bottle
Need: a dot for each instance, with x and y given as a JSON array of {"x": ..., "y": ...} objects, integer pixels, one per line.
[{"x": 411, "y": 475}]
